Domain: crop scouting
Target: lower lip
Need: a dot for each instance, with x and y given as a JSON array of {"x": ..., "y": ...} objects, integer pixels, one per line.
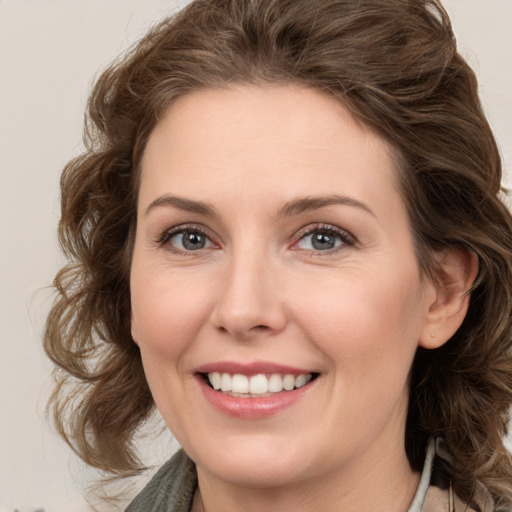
[{"x": 252, "y": 408}]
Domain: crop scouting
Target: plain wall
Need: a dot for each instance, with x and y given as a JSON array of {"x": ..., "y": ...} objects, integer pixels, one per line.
[{"x": 49, "y": 52}]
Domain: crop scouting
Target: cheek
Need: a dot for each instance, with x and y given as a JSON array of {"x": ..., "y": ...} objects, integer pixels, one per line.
[
  {"x": 167, "y": 313},
  {"x": 371, "y": 323}
]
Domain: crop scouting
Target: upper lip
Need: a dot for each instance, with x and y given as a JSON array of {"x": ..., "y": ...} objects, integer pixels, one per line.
[{"x": 253, "y": 368}]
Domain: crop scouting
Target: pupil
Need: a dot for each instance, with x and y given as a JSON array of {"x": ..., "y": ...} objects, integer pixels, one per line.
[
  {"x": 193, "y": 241},
  {"x": 323, "y": 241}
]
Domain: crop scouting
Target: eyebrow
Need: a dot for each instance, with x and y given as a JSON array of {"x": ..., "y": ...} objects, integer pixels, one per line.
[
  {"x": 291, "y": 208},
  {"x": 302, "y": 205},
  {"x": 187, "y": 205}
]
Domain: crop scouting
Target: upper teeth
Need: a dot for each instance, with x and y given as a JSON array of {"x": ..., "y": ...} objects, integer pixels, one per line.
[{"x": 257, "y": 384}]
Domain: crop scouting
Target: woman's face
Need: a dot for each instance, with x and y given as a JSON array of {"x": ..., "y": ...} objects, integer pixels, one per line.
[{"x": 273, "y": 244}]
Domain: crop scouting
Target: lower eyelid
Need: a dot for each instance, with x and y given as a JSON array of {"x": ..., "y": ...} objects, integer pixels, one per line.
[
  {"x": 345, "y": 238},
  {"x": 168, "y": 233},
  {"x": 207, "y": 241},
  {"x": 342, "y": 235},
  {"x": 339, "y": 243}
]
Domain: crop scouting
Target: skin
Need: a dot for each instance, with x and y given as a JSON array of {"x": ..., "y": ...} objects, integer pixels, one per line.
[{"x": 259, "y": 290}]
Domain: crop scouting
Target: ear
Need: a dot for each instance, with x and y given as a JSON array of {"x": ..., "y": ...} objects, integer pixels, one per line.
[{"x": 448, "y": 303}]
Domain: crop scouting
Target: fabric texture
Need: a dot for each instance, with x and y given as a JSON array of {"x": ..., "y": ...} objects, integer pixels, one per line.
[
  {"x": 170, "y": 490},
  {"x": 173, "y": 486}
]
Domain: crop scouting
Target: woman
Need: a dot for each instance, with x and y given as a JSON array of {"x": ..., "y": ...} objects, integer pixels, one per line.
[{"x": 286, "y": 235}]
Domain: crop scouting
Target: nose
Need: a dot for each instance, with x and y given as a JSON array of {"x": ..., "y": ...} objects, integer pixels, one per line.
[{"x": 249, "y": 303}]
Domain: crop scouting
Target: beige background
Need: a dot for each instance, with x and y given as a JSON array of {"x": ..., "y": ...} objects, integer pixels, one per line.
[{"x": 49, "y": 52}]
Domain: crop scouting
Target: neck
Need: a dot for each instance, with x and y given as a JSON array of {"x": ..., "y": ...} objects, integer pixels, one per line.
[{"x": 381, "y": 480}]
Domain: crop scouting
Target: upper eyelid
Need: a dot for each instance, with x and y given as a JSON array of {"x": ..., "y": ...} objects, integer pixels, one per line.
[
  {"x": 348, "y": 241},
  {"x": 167, "y": 233},
  {"x": 311, "y": 228},
  {"x": 308, "y": 229}
]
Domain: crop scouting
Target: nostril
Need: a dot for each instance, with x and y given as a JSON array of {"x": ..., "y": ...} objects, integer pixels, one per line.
[{"x": 241, "y": 332}]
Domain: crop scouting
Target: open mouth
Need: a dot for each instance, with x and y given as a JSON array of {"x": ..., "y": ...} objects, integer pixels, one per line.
[{"x": 254, "y": 386}]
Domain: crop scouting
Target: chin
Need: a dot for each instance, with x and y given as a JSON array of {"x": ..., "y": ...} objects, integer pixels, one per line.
[{"x": 258, "y": 464}]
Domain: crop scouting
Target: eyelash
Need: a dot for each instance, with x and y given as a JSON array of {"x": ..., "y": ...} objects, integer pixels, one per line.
[
  {"x": 347, "y": 240},
  {"x": 167, "y": 234}
]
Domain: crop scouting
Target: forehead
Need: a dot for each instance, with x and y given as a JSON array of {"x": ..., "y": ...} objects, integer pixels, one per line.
[{"x": 284, "y": 140}]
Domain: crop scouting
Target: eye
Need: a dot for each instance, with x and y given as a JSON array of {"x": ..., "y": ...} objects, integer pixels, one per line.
[
  {"x": 189, "y": 240},
  {"x": 324, "y": 239},
  {"x": 185, "y": 239}
]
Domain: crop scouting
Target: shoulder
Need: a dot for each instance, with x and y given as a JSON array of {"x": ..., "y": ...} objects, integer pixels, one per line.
[
  {"x": 435, "y": 492},
  {"x": 442, "y": 500},
  {"x": 170, "y": 490}
]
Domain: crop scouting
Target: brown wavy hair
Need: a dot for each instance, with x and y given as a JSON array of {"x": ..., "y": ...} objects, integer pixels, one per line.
[{"x": 395, "y": 65}]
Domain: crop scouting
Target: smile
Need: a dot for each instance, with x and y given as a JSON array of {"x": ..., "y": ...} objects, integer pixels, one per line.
[
  {"x": 255, "y": 390},
  {"x": 260, "y": 385}
]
